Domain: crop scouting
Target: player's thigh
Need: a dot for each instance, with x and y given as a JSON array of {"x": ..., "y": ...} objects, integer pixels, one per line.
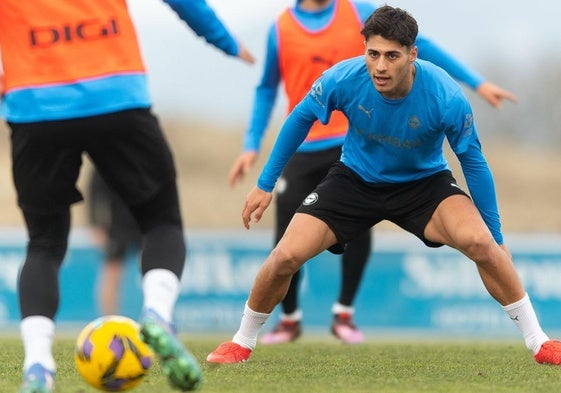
[
  {"x": 456, "y": 222},
  {"x": 305, "y": 237},
  {"x": 46, "y": 160},
  {"x": 132, "y": 155}
]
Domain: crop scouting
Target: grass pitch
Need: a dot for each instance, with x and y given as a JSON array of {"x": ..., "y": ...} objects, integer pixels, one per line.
[{"x": 325, "y": 365}]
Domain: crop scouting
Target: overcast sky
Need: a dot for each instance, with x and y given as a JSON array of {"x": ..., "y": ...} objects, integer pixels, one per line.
[{"x": 188, "y": 76}]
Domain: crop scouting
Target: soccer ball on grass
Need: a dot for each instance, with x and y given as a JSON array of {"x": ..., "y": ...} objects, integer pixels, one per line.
[{"x": 110, "y": 355}]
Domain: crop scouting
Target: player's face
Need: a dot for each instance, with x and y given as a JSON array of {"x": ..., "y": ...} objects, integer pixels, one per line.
[{"x": 390, "y": 65}]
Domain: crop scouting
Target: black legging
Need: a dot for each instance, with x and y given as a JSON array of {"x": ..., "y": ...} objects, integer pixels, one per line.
[
  {"x": 39, "y": 279},
  {"x": 163, "y": 248}
]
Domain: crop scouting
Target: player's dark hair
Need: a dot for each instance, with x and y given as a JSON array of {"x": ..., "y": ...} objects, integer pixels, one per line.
[{"x": 392, "y": 24}]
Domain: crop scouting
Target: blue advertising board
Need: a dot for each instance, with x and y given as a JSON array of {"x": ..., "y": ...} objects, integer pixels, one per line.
[{"x": 406, "y": 285}]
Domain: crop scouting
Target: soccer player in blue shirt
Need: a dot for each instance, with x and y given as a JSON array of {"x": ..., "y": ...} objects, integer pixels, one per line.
[
  {"x": 400, "y": 110},
  {"x": 299, "y": 48}
]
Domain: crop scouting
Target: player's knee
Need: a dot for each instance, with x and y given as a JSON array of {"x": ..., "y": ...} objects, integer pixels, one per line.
[
  {"x": 478, "y": 247},
  {"x": 48, "y": 236},
  {"x": 284, "y": 261},
  {"x": 161, "y": 210}
]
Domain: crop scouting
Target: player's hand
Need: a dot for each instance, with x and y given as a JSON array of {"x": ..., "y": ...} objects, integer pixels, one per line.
[
  {"x": 241, "y": 167},
  {"x": 494, "y": 94},
  {"x": 245, "y": 54},
  {"x": 256, "y": 202}
]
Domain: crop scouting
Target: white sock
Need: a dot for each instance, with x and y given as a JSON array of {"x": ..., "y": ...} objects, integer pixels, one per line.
[
  {"x": 295, "y": 316},
  {"x": 37, "y": 334},
  {"x": 251, "y": 324},
  {"x": 524, "y": 317},
  {"x": 161, "y": 289},
  {"x": 339, "y": 308}
]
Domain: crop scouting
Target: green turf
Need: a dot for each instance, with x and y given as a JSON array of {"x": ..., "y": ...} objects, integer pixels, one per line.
[{"x": 328, "y": 366}]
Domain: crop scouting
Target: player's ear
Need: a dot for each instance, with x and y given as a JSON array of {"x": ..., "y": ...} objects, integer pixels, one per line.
[{"x": 413, "y": 53}]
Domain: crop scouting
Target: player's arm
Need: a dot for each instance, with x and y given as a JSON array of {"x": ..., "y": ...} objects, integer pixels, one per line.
[
  {"x": 291, "y": 135},
  {"x": 462, "y": 136},
  {"x": 490, "y": 92},
  {"x": 482, "y": 187},
  {"x": 318, "y": 104},
  {"x": 263, "y": 104},
  {"x": 205, "y": 23}
]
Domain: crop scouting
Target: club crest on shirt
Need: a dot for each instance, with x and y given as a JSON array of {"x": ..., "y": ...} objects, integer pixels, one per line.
[
  {"x": 311, "y": 199},
  {"x": 414, "y": 122}
]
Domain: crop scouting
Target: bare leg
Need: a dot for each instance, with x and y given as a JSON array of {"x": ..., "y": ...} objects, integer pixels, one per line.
[
  {"x": 457, "y": 223},
  {"x": 108, "y": 286},
  {"x": 305, "y": 237}
]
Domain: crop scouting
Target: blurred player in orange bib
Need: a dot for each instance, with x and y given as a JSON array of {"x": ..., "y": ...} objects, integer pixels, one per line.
[{"x": 74, "y": 84}]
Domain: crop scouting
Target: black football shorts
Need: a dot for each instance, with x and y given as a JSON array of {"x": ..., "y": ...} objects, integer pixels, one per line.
[
  {"x": 350, "y": 206},
  {"x": 127, "y": 147}
]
